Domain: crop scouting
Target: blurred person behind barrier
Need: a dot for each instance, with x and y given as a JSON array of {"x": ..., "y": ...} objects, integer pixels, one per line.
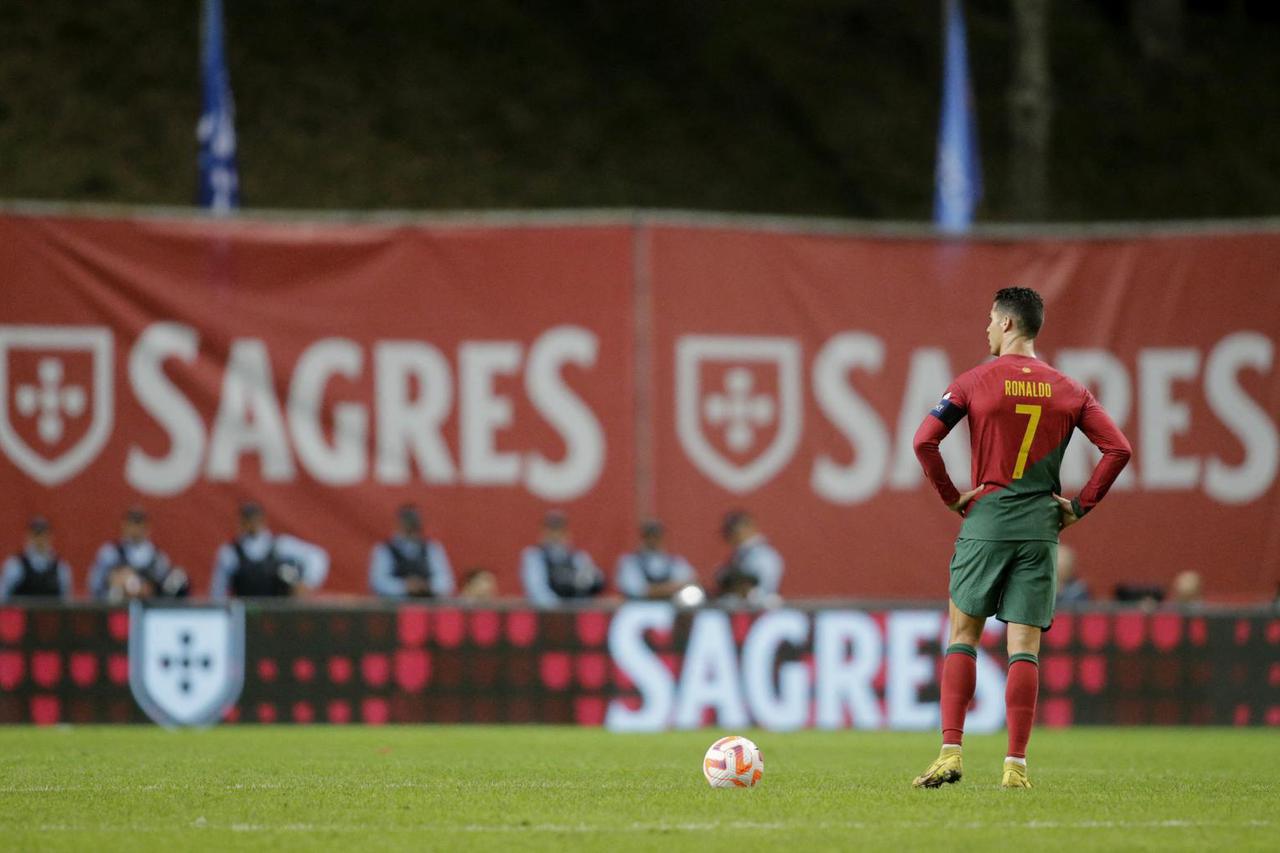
[
  {"x": 479, "y": 585},
  {"x": 651, "y": 571},
  {"x": 410, "y": 564},
  {"x": 1187, "y": 588},
  {"x": 1071, "y": 589},
  {"x": 554, "y": 571},
  {"x": 753, "y": 572},
  {"x": 133, "y": 567},
  {"x": 258, "y": 563},
  {"x": 1144, "y": 596},
  {"x": 36, "y": 571}
]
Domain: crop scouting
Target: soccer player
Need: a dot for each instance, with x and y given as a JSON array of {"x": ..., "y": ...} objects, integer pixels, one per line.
[{"x": 1021, "y": 414}]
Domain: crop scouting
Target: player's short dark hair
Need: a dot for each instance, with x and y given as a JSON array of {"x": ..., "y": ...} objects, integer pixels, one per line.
[{"x": 1024, "y": 305}]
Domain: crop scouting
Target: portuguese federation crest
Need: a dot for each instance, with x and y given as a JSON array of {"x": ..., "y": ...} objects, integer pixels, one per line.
[
  {"x": 186, "y": 664},
  {"x": 738, "y": 406},
  {"x": 55, "y": 398}
]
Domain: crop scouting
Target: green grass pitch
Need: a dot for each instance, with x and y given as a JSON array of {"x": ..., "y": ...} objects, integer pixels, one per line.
[{"x": 548, "y": 788}]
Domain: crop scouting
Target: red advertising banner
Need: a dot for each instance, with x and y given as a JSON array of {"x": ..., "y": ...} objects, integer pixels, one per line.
[
  {"x": 490, "y": 371},
  {"x": 850, "y": 341},
  {"x": 328, "y": 372}
]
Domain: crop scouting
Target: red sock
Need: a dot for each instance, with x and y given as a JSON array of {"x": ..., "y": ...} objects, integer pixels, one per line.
[
  {"x": 959, "y": 675},
  {"x": 1020, "y": 701}
]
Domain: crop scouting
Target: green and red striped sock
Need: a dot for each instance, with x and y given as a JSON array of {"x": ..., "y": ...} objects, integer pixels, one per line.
[
  {"x": 959, "y": 677},
  {"x": 1020, "y": 701}
]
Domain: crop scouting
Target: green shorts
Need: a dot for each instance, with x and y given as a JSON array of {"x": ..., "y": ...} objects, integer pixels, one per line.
[{"x": 1014, "y": 581}]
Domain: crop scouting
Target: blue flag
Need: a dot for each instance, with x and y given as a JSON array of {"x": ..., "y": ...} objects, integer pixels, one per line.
[
  {"x": 958, "y": 176},
  {"x": 219, "y": 181}
]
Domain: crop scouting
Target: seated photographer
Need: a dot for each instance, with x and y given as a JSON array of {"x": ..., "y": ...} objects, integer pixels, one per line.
[
  {"x": 753, "y": 572},
  {"x": 132, "y": 567},
  {"x": 554, "y": 571},
  {"x": 409, "y": 564},
  {"x": 650, "y": 571},
  {"x": 259, "y": 563}
]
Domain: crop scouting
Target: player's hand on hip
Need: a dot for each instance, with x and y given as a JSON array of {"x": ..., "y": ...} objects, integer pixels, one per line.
[
  {"x": 1067, "y": 514},
  {"x": 962, "y": 504}
]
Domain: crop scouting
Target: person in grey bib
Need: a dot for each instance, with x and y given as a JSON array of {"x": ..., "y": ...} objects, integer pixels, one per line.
[
  {"x": 259, "y": 563},
  {"x": 753, "y": 572},
  {"x": 410, "y": 565},
  {"x": 133, "y": 567},
  {"x": 554, "y": 571},
  {"x": 36, "y": 571},
  {"x": 651, "y": 571}
]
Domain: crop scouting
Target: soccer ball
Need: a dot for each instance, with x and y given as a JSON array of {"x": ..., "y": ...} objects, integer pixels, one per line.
[{"x": 733, "y": 762}]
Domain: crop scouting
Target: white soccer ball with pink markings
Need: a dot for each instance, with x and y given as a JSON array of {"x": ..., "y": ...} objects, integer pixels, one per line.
[{"x": 733, "y": 762}]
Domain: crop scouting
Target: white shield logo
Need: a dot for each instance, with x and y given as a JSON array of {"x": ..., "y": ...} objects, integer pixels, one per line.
[
  {"x": 51, "y": 403},
  {"x": 735, "y": 410},
  {"x": 186, "y": 664}
]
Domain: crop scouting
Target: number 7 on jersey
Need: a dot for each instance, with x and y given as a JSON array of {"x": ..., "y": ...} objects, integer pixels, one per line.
[{"x": 1034, "y": 411}]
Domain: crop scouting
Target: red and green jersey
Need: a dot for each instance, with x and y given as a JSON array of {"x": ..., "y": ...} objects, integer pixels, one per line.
[{"x": 1021, "y": 414}]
